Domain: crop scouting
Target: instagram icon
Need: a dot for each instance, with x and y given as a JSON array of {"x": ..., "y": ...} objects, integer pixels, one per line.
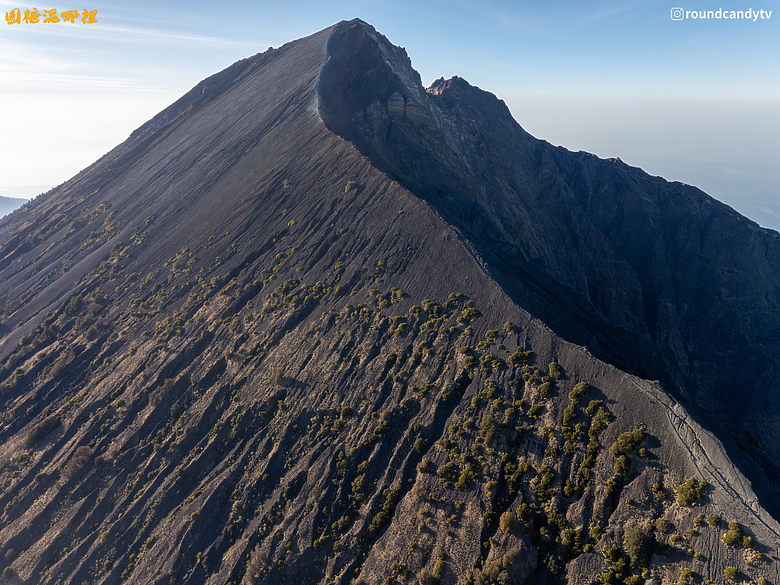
[{"x": 678, "y": 13}]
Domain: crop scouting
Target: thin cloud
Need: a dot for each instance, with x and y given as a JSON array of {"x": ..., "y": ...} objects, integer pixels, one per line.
[
  {"x": 148, "y": 34},
  {"x": 29, "y": 80},
  {"x": 614, "y": 10}
]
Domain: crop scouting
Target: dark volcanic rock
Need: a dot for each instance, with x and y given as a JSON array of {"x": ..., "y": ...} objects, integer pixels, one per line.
[
  {"x": 289, "y": 332},
  {"x": 654, "y": 277}
]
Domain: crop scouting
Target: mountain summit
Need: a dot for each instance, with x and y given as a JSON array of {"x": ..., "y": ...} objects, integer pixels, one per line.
[{"x": 314, "y": 322}]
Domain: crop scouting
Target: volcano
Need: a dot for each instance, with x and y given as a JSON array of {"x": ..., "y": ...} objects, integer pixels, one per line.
[{"x": 317, "y": 323}]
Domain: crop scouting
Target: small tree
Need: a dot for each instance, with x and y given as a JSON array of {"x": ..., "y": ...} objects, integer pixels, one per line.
[
  {"x": 635, "y": 544},
  {"x": 507, "y": 522}
]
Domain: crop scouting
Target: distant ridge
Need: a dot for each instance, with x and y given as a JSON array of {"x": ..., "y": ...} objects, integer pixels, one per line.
[{"x": 9, "y": 204}]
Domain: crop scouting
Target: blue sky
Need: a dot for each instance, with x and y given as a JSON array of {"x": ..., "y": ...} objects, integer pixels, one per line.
[{"x": 691, "y": 100}]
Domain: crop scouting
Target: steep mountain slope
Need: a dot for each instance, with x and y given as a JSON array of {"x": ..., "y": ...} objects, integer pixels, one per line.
[
  {"x": 654, "y": 277},
  {"x": 259, "y": 343}
]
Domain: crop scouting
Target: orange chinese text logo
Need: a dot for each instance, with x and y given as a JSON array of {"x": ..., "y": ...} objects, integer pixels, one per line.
[{"x": 15, "y": 16}]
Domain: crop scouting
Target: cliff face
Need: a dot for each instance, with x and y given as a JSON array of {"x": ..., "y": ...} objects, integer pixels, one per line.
[
  {"x": 656, "y": 278},
  {"x": 295, "y": 328}
]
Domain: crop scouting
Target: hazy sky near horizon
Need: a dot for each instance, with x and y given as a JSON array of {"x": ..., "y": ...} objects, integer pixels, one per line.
[{"x": 693, "y": 100}]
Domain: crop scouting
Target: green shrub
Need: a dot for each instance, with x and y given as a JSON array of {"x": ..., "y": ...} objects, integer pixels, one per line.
[
  {"x": 622, "y": 465},
  {"x": 732, "y": 573},
  {"x": 321, "y": 541},
  {"x": 635, "y": 542},
  {"x": 448, "y": 471},
  {"x": 626, "y": 442},
  {"x": 611, "y": 553},
  {"x": 713, "y": 520},
  {"x": 487, "y": 427},
  {"x": 545, "y": 390},
  {"x": 734, "y": 535},
  {"x": 507, "y": 522},
  {"x": 438, "y": 569},
  {"x": 690, "y": 492}
]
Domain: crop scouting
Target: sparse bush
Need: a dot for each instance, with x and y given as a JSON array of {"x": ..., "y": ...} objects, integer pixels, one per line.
[
  {"x": 713, "y": 520},
  {"x": 690, "y": 492},
  {"x": 611, "y": 553},
  {"x": 507, "y": 522},
  {"x": 159, "y": 393},
  {"x": 545, "y": 390},
  {"x": 350, "y": 186},
  {"x": 487, "y": 428},
  {"x": 622, "y": 465},
  {"x": 734, "y": 535},
  {"x": 438, "y": 569},
  {"x": 499, "y": 570},
  {"x": 626, "y": 442},
  {"x": 732, "y": 573},
  {"x": 635, "y": 542},
  {"x": 254, "y": 569},
  {"x": 39, "y": 431},
  {"x": 425, "y": 577},
  {"x": 77, "y": 461},
  {"x": 448, "y": 471}
]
